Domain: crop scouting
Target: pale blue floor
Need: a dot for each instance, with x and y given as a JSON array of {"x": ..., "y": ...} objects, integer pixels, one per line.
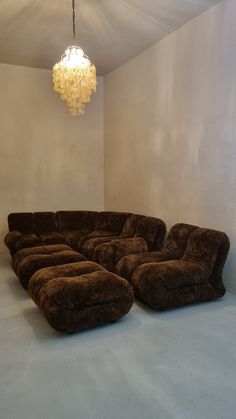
[{"x": 151, "y": 365}]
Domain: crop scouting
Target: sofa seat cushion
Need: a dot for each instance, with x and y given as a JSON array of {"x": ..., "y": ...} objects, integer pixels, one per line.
[
  {"x": 52, "y": 238},
  {"x": 29, "y": 240},
  {"x": 77, "y": 239},
  {"x": 44, "y": 275},
  {"x": 90, "y": 244},
  {"x": 48, "y": 256},
  {"x": 96, "y": 234},
  {"x": 127, "y": 264},
  {"x": 36, "y": 250},
  {"x": 80, "y": 295},
  {"x": 173, "y": 283},
  {"x": 73, "y": 238},
  {"x": 108, "y": 254}
]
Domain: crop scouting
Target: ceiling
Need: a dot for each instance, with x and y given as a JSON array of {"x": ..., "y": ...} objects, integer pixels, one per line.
[{"x": 36, "y": 32}]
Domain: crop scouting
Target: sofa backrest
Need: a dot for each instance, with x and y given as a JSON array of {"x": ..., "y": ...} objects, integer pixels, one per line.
[
  {"x": 111, "y": 221},
  {"x": 45, "y": 222},
  {"x": 75, "y": 220},
  {"x": 209, "y": 248},
  {"x": 21, "y": 221},
  {"x": 152, "y": 230},
  {"x": 130, "y": 225},
  {"x": 177, "y": 239}
]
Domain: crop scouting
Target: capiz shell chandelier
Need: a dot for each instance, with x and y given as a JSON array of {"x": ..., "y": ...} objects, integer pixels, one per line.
[{"x": 74, "y": 77}]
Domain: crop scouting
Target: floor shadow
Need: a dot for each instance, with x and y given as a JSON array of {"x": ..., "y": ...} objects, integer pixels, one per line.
[
  {"x": 209, "y": 306},
  {"x": 16, "y": 289},
  {"x": 43, "y": 331},
  {"x": 5, "y": 260}
]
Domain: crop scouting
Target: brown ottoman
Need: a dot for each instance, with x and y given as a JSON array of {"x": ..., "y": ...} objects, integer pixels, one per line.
[
  {"x": 80, "y": 295},
  {"x": 27, "y": 261}
]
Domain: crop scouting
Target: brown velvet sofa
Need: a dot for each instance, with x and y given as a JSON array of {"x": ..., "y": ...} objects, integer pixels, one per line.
[
  {"x": 83, "y": 230},
  {"x": 188, "y": 269}
]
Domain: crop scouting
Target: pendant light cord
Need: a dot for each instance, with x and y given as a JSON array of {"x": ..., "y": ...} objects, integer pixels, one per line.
[{"x": 73, "y": 20}]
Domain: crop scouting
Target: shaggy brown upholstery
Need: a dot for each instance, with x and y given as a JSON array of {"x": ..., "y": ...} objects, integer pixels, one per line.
[
  {"x": 80, "y": 295},
  {"x": 73, "y": 238},
  {"x": 32, "y": 229},
  {"x": 31, "y": 260},
  {"x": 75, "y": 220},
  {"x": 175, "y": 247},
  {"x": 75, "y": 228},
  {"x": 129, "y": 228},
  {"x": 75, "y": 294},
  {"x": 52, "y": 238},
  {"x": 15, "y": 241},
  {"x": 148, "y": 234},
  {"x": 82, "y": 238},
  {"x": 44, "y": 275},
  {"x": 21, "y": 221},
  {"x": 152, "y": 230},
  {"x": 108, "y": 254},
  {"x": 135, "y": 226},
  {"x": 39, "y": 250},
  {"x": 196, "y": 277},
  {"x": 45, "y": 222},
  {"x": 46, "y": 227},
  {"x": 90, "y": 244},
  {"x": 107, "y": 224}
]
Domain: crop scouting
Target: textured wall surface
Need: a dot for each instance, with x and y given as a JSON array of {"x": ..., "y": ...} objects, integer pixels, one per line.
[
  {"x": 170, "y": 130},
  {"x": 49, "y": 159}
]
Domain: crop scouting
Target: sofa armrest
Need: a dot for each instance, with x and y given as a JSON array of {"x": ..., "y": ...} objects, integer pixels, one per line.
[
  {"x": 15, "y": 241},
  {"x": 108, "y": 254},
  {"x": 12, "y": 240}
]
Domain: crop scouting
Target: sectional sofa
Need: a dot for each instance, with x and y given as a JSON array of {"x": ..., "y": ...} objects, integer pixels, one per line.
[
  {"x": 83, "y": 268},
  {"x": 84, "y": 230}
]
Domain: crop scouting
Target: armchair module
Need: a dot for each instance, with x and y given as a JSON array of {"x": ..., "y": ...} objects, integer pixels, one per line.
[
  {"x": 148, "y": 234},
  {"x": 196, "y": 277},
  {"x": 174, "y": 248}
]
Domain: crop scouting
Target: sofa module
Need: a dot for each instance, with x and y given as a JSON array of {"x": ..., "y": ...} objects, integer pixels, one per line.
[
  {"x": 107, "y": 225},
  {"x": 32, "y": 229},
  {"x": 175, "y": 246},
  {"x": 80, "y": 295},
  {"x": 27, "y": 261},
  {"x": 196, "y": 277},
  {"x": 148, "y": 235}
]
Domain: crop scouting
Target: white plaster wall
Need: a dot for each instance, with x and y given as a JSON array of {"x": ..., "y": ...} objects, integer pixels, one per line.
[
  {"x": 49, "y": 160},
  {"x": 170, "y": 128}
]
